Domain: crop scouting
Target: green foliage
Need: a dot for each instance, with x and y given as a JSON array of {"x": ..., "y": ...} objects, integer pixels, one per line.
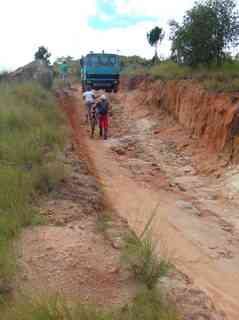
[
  {"x": 150, "y": 305},
  {"x": 170, "y": 70},
  {"x": 155, "y": 36},
  {"x": 53, "y": 308},
  {"x": 32, "y": 134},
  {"x": 43, "y": 54},
  {"x": 141, "y": 258},
  {"x": 133, "y": 62},
  {"x": 147, "y": 305},
  {"x": 223, "y": 78},
  {"x": 104, "y": 221},
  {"x": 208, "y": 29},
  {"x": 38, "y": 220}
]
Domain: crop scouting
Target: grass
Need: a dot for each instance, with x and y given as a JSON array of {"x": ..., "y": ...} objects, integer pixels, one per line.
[
  {"x": 104, "y": 221},
  {"x": 213, "y": 78},
  {"x": 140, "y": 257},
  {"x": 148, "y": 304},
  {"x": 53, "y": 308},
  {"x": 32, "y": 134},
  {"x": 170, "y": 71}
]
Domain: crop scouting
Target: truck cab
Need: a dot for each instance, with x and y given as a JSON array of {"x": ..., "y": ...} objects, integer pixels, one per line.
[{"x": 100, "y": 71}]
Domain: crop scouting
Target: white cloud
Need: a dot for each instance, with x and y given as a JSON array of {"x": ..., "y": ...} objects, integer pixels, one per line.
[
  {"x": 62, "y": 26},
  {"x": 27, "y": 24}
]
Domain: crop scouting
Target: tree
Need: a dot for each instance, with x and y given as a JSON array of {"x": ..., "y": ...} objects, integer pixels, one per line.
[
  {"x": 155, "y": 36},
  {"x": 208, "y": 29},
  {"x": 43, "y": 54},
  {"x": 68, "y": 59}
]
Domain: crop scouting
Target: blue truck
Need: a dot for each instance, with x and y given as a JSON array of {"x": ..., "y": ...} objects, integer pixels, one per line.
[{"x": 100, "y": 71}]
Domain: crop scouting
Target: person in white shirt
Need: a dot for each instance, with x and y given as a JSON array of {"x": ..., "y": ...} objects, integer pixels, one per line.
[{"x": 89, "y": 98}]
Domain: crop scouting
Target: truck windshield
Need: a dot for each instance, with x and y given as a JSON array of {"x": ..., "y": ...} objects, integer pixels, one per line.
[{"x": 102, "y": 60}]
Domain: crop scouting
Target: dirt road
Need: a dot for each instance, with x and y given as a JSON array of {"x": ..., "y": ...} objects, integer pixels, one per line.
[{"x": 199, "y": 241}]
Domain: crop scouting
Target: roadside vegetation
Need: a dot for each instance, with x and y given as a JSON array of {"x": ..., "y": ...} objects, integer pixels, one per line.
[
  {"x": 202, "y": 47},
  {"x": 148, "y": 304},
  {"x": 32, "y": 134},
  {"x": 224, "y": 78},
  {"x": 141, "y": 258}
]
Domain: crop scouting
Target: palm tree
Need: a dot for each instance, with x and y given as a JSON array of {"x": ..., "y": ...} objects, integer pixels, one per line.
[{"x": 155, "y": 36}]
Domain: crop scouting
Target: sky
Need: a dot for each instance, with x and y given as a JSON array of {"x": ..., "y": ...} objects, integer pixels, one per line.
[{"x": 75, "y": 27}]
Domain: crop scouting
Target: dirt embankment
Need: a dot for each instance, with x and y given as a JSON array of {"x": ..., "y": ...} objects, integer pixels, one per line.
[{"x": 213, "y": 117}]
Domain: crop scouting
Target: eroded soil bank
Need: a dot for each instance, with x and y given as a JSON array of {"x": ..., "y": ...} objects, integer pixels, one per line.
[
  {"x": 200, "y": 205},
  {"x": 212, "y": 117}
]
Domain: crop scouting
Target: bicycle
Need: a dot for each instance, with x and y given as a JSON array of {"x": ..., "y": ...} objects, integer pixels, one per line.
[{"x": 92, "y": 116}]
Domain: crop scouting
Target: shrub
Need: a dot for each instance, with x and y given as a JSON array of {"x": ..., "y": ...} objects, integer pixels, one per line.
[
  {"x": 141, "y": 258},
  {"x": 150, "y": 305}
]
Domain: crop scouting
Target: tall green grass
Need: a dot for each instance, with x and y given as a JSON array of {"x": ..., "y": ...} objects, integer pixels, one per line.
[
  {"x": 31, "y": 135},
  {"x": 140, "y": 256}
]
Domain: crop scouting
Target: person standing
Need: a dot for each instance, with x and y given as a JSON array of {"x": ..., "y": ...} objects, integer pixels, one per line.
[
  {"x": 89, "y": 99},
  {"x": 64, "y": 72},
  {"x": 102, "y": 109}
]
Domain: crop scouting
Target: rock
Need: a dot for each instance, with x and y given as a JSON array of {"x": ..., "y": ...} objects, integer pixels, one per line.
[
  {"x": 157, "y": 131},
  {"x": 36, "y": 70},
  {"x": 188, "y": 206},
  {"x": 233, "y": 183},
  {"x": 119, "y": 150},
  {"x": 184, "y": 205},
  {"x": 115, "y": 270},
  {"x": 188, "y": 169},
  {"x": 188, "y": 182}
]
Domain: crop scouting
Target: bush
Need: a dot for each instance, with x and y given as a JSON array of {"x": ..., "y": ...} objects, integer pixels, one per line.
[
  {"x": 150, "y": 305},
  {"x": 142, "y": 260}
]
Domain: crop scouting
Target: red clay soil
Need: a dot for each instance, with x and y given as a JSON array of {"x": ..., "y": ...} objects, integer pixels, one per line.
[
  {"x": 210, "y": 116},
  {"x": 137, "y": 206},
  {"x": 185, "y": 230}
]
